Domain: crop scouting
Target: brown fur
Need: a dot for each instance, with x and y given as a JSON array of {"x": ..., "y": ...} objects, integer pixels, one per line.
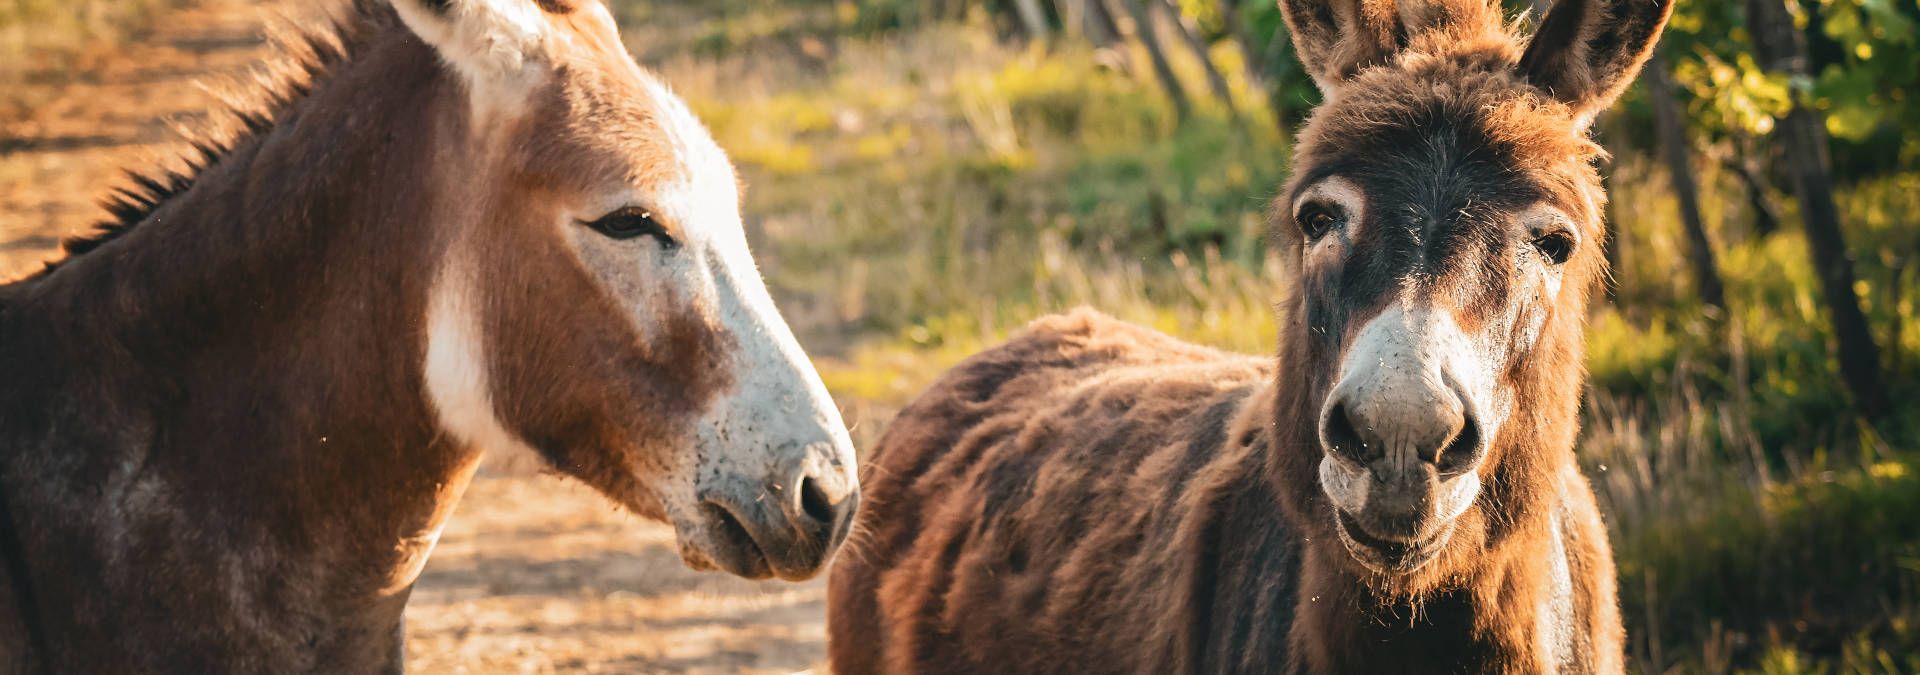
[
  {"x": 1096, "y": 497},
  {"x": 218, "y": 452}
]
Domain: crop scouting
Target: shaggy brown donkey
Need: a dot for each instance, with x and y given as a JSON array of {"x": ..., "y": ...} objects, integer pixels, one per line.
[
  {"x": 1397, "y": 493},
  {"x": 233, "y": 424}
]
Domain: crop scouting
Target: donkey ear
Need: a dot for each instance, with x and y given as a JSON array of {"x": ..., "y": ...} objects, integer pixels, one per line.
[
  {"x": 1587, "y": 51},
  {"x": 1337, "y": 38},
  {"x": 487, "y": 41}
]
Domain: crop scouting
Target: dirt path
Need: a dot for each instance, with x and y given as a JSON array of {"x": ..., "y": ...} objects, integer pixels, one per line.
[
  {"x": 533, "y": 574},
  {"x": 537, "y": 575},
  {"x": 66, "y": 136}
]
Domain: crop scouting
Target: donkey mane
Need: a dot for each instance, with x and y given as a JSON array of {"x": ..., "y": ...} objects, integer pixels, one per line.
[{"x": 248, "y": 110}]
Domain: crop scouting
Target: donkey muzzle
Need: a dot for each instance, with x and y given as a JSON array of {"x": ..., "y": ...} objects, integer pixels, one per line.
[{"x": 787, "y": 523}]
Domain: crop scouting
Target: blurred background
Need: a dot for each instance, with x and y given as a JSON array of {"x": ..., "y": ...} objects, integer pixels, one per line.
[{"x": 925, "y": 176}]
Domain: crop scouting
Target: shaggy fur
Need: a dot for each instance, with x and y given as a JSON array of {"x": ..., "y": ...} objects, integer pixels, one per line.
[
  {"x": 233, "y": 422},
  {"x": 1096, "y": 497}
]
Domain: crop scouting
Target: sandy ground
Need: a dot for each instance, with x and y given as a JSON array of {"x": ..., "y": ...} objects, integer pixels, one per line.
[
  {"x": 534, "y": 574},
  {"x": 539, "y": 575}
]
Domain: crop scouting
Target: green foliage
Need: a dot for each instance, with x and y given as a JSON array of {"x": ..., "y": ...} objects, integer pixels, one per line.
[
  {"x": 1774, "y": 348},
  {"x": 1866, "y": 67},
  {"x": 1736, "y": 95},
  {"x": 1874, "y": 83}
]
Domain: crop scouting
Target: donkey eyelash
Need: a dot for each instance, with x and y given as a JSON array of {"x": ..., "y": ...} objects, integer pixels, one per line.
[
  {"x": 631, "y": 223},
  {"x": 1556, "y": 245},
  {"x": 1317, "y": 218},
  {"x": 1554, "y": 238}
]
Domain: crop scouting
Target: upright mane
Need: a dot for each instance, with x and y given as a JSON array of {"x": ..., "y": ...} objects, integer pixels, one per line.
[{"x": 249, "y": 109}]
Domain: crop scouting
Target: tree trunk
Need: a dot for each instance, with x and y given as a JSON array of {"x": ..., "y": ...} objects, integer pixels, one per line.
[
  {"x": 1103, "y": 28},
  {"x": 1745, "y": 165},
  {"x": 1033, "y": 18},
  {"x": 1782, "y": 48},
  {"x": 1189, "y": 34},
  {"x": 1257, "y": 75},
  {"x": 1104, "y": 32},
  {"x": 1073, "y": 16},
  {"x": 1896, "y": 334},
  {"x": 1162, "y": 69},
  {"x": 1671, "y": 132}
]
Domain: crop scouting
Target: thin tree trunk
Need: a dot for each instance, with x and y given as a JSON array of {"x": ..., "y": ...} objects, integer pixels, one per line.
[
  {"x": 1162, "y": 69},
  {"x": 1103, "y": 28},
  {"x": 1745, "y": 165},
  {"x": 1256, "y": 62},
  {"x": 1104, "y": 32},
  {"x": 1033, "y": 18},
  {"x": 1259, "y": 76},
  {"x": 1782, "y": 48},
  {"x": 1190, "y": 35},
  {"x": 1671, "y": 131},
  {"x": 1896, "y": 334},
  {"x": 1073, "y": 16}
]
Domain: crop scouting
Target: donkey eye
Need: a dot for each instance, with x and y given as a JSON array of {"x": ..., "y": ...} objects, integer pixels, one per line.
[
  {"x": 1316, "y": 219},
  {"x": 1556, "y": 246},
  {"x": 631, "y": 223}
]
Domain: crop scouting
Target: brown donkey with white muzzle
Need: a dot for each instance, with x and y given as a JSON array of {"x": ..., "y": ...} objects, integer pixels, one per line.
[
  {"x": 233, "y": 423},
  {"x": 1396, "y": 492}
]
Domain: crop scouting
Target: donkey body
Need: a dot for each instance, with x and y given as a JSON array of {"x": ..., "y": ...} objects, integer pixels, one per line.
[
  {"x": 1396, "y": 492},
  {"x": 1102, "y": 502},
  {"x": 233, "y": 423}
]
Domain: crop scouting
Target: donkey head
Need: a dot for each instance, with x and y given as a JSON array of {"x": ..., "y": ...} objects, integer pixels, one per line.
[
  {"x": 597, "y": 304},
  {"x": 1444, "y": 221}
]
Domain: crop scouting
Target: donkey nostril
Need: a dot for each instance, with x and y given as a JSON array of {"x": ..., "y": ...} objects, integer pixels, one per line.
[
  {"x": 1342, "y": 438},
  {"x": 814, "y": 502},
  {"x": 1462, "y": 450}
]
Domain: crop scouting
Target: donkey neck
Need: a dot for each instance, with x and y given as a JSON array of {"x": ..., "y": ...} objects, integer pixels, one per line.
[
  {"x": 246, "y": 363},
  {"x": 1513, "y": 613}
]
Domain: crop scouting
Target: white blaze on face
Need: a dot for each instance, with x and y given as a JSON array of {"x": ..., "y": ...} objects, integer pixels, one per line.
[
  {"x": 1409, "y": 363},
  {"x": 777, "y": 402}
]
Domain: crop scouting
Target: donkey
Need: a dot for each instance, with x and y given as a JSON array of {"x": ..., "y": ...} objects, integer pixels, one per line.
[
  {"x": 233, "y": 422},
  {"x": 1396, "y": 492}
]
